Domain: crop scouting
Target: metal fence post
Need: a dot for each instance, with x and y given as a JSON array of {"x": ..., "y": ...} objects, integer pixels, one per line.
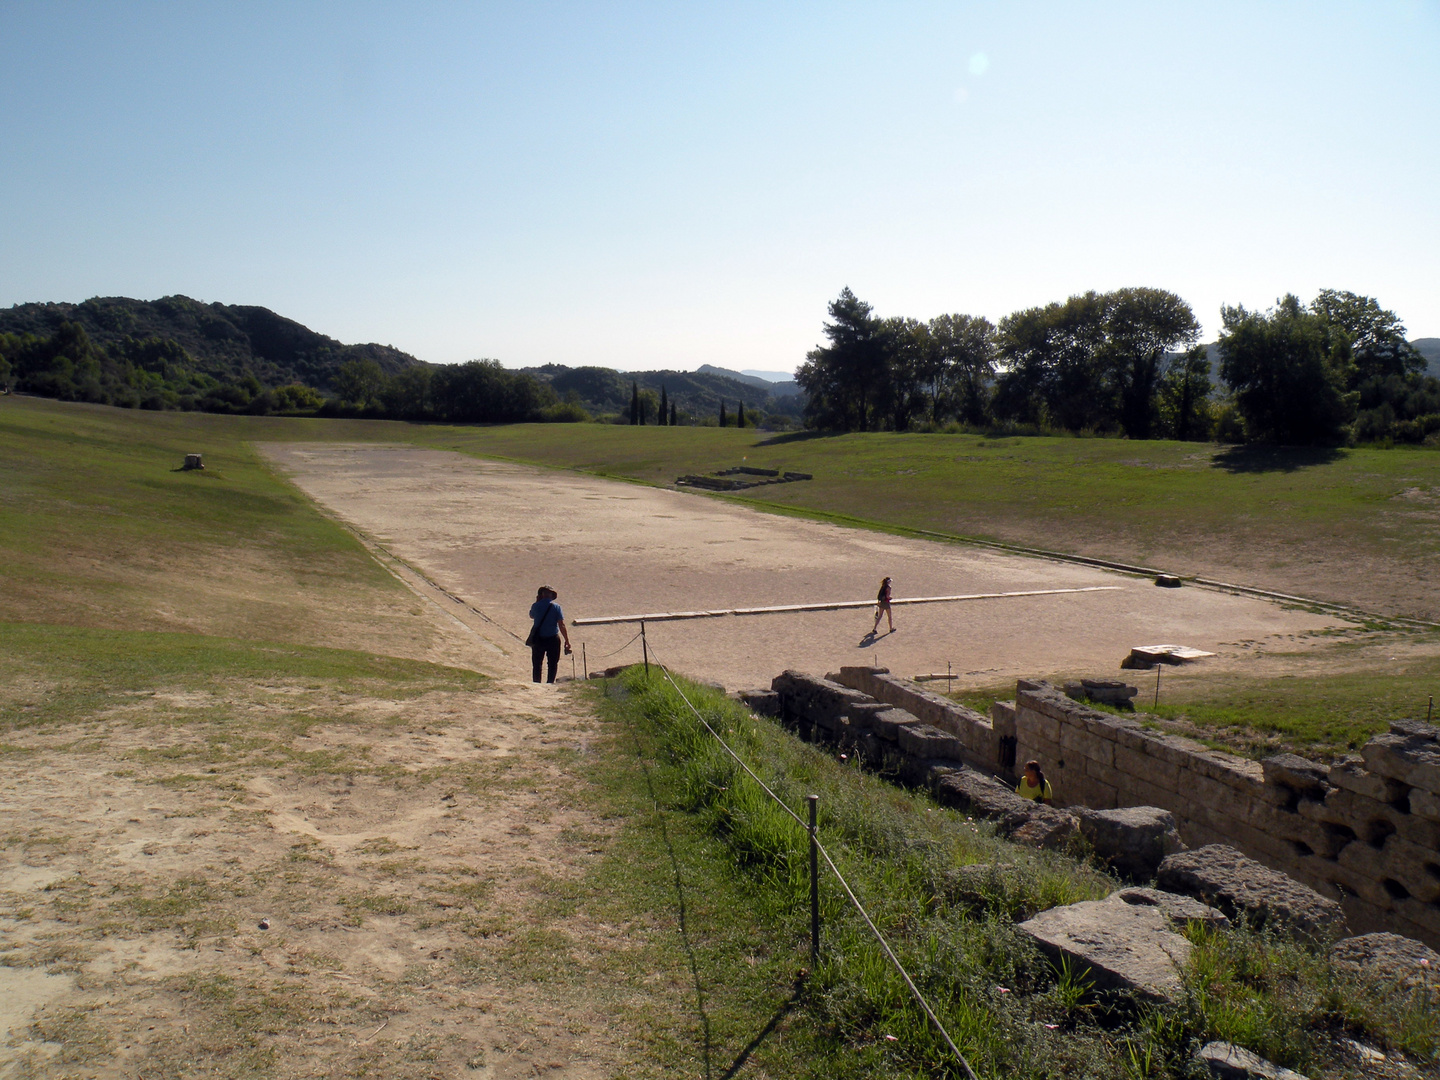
[
  {"x": 813, "y": 800},
  {"x": 644, "y": 649}
]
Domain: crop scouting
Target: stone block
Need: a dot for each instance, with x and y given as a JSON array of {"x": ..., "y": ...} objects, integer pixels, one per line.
[
  {"x": 1234, "y": 772},
  {"x": 1078, "y": 740},
  {"x": 1140, "y": 766},
  {"x": 1410, "y": 759},
  {"x": 1030, "y": 724},
  {"x": 1002, "y": 717},
  {"x": 1226, "y": 879},
  {"x": 1414, "y": 867},
  {"x": 1133, "y": 736},
  {"x": 1176, "y": 749},
  {"x": 928, "y": 741},
  {"x": 1388, "y": 958},
  {"x": 1128, "y": 947},
  {"x": 1180, "y": 910},
  {"x": 1420, "y": 831},
  {"x": 1276, "y": 794},
  {"x": 1417, "y": 920},
  {"x": 887, "y": 724},
  {"x": 1142, "y": 793},
  {"x": 760, "y": 702},
  {"x": 1211, "y": 798},
  {"x": 1352, "y": 775},
  {"x": 1425, "y": 805},
  {"x": 1226, "y": 1061},
  {"x": 1097, "y": 794},
  {"x": 1296, "y": 773},
  {"x": 1132, "y": 841},
  {"x": 1043, "y": 827},
  {"x": 1362, "y": 881},
  {"x": 978, "y": 794}
]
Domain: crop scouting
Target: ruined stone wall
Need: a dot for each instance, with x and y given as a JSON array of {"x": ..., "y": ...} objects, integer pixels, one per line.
[
  {"x": 985, "y": 743},
  {"x": 1365, "y": 831}
]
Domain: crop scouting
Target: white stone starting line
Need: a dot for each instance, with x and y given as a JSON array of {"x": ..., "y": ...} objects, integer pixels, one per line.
[{"x": 839, "y": 605}]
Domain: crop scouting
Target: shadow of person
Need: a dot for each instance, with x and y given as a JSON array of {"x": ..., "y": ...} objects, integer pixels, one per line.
[{"x": 868, "y": 640}]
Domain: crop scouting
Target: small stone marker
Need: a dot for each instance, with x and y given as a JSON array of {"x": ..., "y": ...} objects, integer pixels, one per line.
[
  {"x": 1226, "y": 1061},
  {"x": 193, "y": 461}
]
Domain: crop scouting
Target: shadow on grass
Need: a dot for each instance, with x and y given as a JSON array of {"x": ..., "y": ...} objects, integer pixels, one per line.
[
  {"x": 683, "y": 912},
  {"x": 795, "y": 995},
  {"x": 797, "y": 436},
  {"x": 797, "y": 990},
  {"x": 1255, "y": 458}
]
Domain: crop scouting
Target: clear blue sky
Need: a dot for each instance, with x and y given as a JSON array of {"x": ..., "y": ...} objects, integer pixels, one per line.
[{"x": 673, "y": 184}]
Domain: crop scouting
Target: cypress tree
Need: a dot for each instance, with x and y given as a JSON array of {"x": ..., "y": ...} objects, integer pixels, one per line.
[
  {"x": 722, "y": 413},
  {"x": 739, "y": 414},
  {"x": 664, "y": 406},
  {"x": 634, "y": 404},
  {"x": 672, "y": 414}
]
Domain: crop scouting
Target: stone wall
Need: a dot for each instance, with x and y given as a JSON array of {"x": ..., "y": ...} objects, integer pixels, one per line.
[
  {"x": 1365, "y": 831},
  {"x": 985, "y": 743}
]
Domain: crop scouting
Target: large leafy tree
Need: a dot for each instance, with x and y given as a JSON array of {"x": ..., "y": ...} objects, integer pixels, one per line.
[
  {"x": 960, "y": 366},
  {"x": 1289, "y": 373},
  {"x": 1094, "y": 362},
  {"x": 1141, "y": 327},
  {"x": 1376, "y": 337},
  {"x": 846, "y": 380}
]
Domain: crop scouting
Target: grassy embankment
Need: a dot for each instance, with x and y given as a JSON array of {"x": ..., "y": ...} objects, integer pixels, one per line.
[{"x": 947, "y": 894}]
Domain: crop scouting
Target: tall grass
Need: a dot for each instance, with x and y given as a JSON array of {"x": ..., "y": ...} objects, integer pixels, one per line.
[{"x": 947, "y": 892}]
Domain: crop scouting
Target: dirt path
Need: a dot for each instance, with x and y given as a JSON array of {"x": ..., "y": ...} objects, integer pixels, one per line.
[
  {"x": 490, "y": 532},
  {"x": 405, "y": 855}
]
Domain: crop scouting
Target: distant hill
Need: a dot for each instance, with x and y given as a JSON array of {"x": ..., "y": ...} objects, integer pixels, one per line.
[
  {"x": 226, "y": 342},
  {"x": 1429, "y": 347},
  {"x": 698, "y": 393},
  {"x": 780, "y": 388}
]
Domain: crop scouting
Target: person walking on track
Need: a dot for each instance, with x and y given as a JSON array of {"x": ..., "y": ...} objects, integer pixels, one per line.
[
  {"x": 882, "y": 607},
  {"x": 545, "y": 635}
]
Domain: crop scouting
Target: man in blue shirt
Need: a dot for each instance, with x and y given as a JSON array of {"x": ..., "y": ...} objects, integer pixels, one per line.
[{"x": 548, "y": 630}]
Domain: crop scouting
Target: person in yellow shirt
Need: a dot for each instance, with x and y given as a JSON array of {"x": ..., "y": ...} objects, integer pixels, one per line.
[{"x": 1033, "y": 784}]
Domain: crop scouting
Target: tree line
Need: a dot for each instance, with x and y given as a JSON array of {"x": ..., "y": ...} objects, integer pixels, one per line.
[{"x": 1127, "y": 362}]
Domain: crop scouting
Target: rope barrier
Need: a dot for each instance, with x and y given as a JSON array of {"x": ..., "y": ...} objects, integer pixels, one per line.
[{"x": 869, "y": 922}]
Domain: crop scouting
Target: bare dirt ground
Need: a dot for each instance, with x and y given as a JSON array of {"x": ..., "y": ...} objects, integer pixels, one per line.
[
  {"x": 491, "y": 532},
  {"x": 406, "y": 855}
]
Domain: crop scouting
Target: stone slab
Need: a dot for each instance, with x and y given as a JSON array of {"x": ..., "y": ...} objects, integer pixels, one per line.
[
  {"x": 1126, "y": 947},
  {"x": 1224, "y": 878}
]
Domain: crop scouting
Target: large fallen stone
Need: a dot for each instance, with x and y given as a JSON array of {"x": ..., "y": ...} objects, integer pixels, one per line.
[
  {"x": 1180, "y": 910},
  {"x": 1239, "y": 886},
  {"x": 1388, "y": 958},
  {"x": 1133, "y": 840},
  {"x": 1226, "y": 1061},
  {"x": 981, "y": 795},
  {"x": 1042, "y": 827},
  {"x": 1123, "y": 946}
]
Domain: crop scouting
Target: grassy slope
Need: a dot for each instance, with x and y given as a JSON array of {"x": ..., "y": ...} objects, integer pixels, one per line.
[{"x": 1011, "y": 1012}]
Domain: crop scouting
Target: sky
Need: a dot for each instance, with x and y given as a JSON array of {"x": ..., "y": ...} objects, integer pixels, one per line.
[{"x": 664, "y": 185}]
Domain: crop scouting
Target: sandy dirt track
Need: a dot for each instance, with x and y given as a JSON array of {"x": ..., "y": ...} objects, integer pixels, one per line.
[{"x": 491, "y": 532}]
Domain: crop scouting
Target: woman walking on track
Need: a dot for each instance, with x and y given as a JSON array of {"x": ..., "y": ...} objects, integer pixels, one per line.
[
  {"x": 545, "y": 635},
  {"x": 882, "y": 607}
]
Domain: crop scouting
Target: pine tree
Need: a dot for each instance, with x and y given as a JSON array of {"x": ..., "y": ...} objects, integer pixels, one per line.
[
  {"x": 634, "y": 404},
  {"x": 722, "y": 414},
  {"x": 664, "y": 406},
  {"x": 739, "y": 414}
]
